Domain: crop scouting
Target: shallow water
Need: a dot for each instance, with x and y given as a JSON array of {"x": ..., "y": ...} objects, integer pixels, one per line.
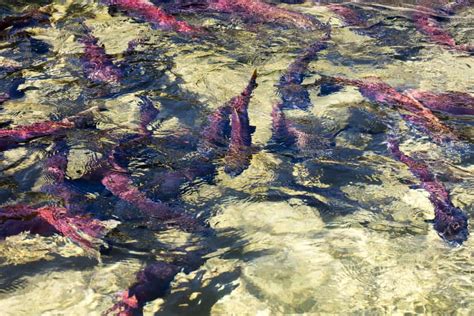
[{"x": 333, "y": 229}]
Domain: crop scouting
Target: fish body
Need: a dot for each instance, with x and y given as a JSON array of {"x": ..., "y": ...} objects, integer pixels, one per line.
[
  {"x": 19, "y": 218},
  {"x": 415, "y": 112},
  {"x": 121, "y": 185},
  {"x": 4, "y": 97},
  {"x": 144, "y": 9},
  {"x": 30, "y": 18},
  {"x": 151, "y": 283},
  {"x": 284, "y": 133},
  {"x": 455, "y": 6},
  {"x": 217, "y": 132},
  {"x": 97, "y": 65},
  {"x": 266, "y": 12},
  {"x": 450, "y": 222},
  {"x": 82, "y": 230},
  {"x": 55, "y": 168},
  {"x": 281, "y": 128},
  {"x": 428, "y": 26},
  {"x": 457, "y": 103},
  {"x": 292, "y": 94},
  {"x": 238, "y": 155},
  {"x": 10, "y": 138},
  {"x": 148, "y": 114},
  {"x": 349, "y": 16},
  {"x": 168, "y": 184}
]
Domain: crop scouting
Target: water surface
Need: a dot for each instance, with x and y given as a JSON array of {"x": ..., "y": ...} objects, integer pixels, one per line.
[{"x": 338, "y": 229}]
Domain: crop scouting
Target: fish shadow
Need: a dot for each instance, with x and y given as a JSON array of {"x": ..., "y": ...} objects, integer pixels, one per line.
[{"x": 180, "y": 303}]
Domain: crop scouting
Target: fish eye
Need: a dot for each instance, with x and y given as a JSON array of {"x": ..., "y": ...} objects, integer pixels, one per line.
[{"x": 455, "y": 226}]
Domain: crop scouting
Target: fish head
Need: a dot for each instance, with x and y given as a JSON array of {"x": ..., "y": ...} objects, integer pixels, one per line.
[{"x": 452, "y": 226}]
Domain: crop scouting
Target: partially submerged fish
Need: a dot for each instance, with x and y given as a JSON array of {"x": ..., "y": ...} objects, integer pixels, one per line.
[
  {"x": 457, "y": 103},
  {"x": 238, "y": 156},
  {"x": 98, "y": 66},
  {"x": 450, "y": 222},
  {"x": 413, "y": 111},
  {"x": 151, "y": 283},
  {"x": 145, "y": 10}
]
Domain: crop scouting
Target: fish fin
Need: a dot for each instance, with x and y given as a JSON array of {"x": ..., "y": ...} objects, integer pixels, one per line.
[
  {"x": 252, "y": 129},
  {"x": 253, "y": 79},
  {"x": 254, "y": 75},
  {"x": 328, "y": 88}
]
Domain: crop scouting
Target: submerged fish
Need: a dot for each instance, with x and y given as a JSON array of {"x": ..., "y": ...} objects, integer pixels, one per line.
[
  {"x": 450, "y": 222},
  {"x": 168, "y": 184},
  {"x": 55, "y": 168},
  {"x": 387, "y": 32},
  {"x": 217, "y": 133},
  {"x": 238, "y": 156},
  {"x": 145, "y": 10},
  {"x": 98, "y": 66},
  {"x": 11, "y": 91},
  {"x": 292, "y": 94},
  {"x": 255, "y": 9},
  {"x": 455, "y": 6},
  {"x": 55, "y": 174},
  {"x": 121, "y": 185},
  {"x": 427, "y": 25},
  {"x": 27, "y": 19},
  {"x": 283, "y": 131},
  {"x": 266, "y": 12},
  {"x": 10, "y": 138},
  {"x": 148, "y": 114},
  {"x": 84, "y": 231},
  {"x": 4, "y": 97},
  {"x": 413, "y": 111},
  {"x": 349, "y": 16},
  {"x": 457, "y": 103},
  {"x": 151, "y": 283},
  {"x": 117, "y": 180}
]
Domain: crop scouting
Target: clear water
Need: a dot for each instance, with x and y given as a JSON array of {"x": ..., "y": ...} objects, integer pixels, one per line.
[{"x": 336, "y": 231}]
